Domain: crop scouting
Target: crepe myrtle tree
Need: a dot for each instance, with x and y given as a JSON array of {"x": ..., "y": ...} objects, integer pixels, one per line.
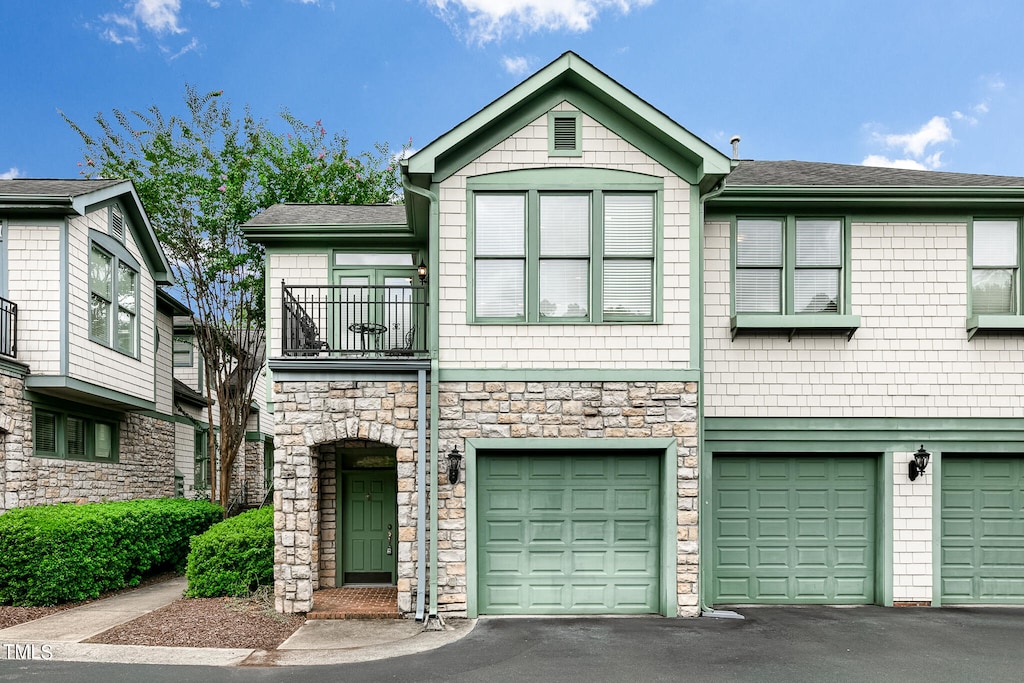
[{"x": 200, "y": 176}]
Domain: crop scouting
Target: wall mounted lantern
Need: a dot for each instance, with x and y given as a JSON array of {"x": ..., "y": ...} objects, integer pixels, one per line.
[
  {"x": 919, "y": 463},
  {"x": 454, "y": 458},
  {"x": 421, "y": 272}
]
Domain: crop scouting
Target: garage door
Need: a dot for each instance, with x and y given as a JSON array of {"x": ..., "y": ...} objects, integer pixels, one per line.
[
  {"x": 793, "y": 529},
  {"x": 567, "y": 534},
  {"x": 982, "y": 529}
]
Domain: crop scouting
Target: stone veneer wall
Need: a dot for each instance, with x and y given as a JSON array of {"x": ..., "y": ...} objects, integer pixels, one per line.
[
  {"x": 145, "y": 468},
  {"x": 567, "y": 410},
  {"x": 310, "y": 418},
  {"x": 15, "y": 439}
]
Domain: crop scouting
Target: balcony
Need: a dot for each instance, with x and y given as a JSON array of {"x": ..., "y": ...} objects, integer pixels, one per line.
[
  {"x": 8, "y": 328},
  {"x": 352, "y": 322}
]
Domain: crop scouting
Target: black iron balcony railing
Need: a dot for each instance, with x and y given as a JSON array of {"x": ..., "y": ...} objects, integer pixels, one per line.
[
  {"x": 366, "y": 321},
  {"x": 8, "y": 328}
]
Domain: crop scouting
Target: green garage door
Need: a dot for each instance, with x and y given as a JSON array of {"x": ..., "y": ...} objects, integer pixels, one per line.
[
  {"x": 793, "y": 529},
  {"x": 982, "y": 529},
  {"x": 567, "y": 534}
]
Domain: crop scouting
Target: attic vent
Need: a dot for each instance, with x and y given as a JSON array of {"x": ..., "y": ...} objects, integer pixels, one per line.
[
  {"x": 117, "y": 223},
  {"x": 564, "y": 133}
]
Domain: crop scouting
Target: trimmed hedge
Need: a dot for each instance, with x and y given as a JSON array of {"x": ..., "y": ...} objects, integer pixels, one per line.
[
  {"x": 234, "y": 557},
  {"x": 65, "y": 553}
]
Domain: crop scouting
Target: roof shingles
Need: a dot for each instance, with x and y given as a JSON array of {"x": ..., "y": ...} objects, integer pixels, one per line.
[{"x": 811, "y": 174}]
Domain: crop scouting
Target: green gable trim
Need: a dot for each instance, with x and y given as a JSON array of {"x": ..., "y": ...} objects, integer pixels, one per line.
[
  {"x": 254, "y": 436},
  {"x": 566, "y": 375},
  {"x": 668, "y": 504},
  {"x": 76, "y": 389},
  {"x": 570, "y": 78}
]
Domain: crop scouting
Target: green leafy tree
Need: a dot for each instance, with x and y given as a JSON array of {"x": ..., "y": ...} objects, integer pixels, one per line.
[{"x": 202, "y": 175}]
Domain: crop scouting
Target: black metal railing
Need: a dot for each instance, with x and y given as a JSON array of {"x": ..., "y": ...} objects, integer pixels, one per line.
[
  {"x": 8, "y": 328},
  {"x": 366, "y": 321}
]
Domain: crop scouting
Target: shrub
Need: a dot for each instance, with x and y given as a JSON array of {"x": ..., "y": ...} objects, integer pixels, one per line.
[
  {"x": 65, "y": 553},
  {"x": 234, "y": 557}
]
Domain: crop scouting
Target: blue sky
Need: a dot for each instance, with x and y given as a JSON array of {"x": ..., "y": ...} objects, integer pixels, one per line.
[{"x": 933, "y": 84}]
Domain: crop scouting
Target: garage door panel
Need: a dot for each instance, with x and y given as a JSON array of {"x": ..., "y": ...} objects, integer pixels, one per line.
[
  {"x": 812, "y": 499},
  {"x": 593, "y": 500},
  {"x": 733, "y": 558},
  {"x": 805, "y": 557},
  {"x": 811, "y": 528},
  {"x": 811, "y": 523},
  {"x": 587, "y": 535},
  {"x": 547, "y": 468},
  {"x": 734, "y": 499},
  {"x": 982, "y": 529}
]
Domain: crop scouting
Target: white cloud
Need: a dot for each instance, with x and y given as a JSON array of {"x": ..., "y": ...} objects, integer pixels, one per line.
[
  {"x": 159, "y": 16},
  {"x": 885, "y": 162},
  {"x": 483, "y": 21},
  {"x": 516, "y": 66},
  {"x": 934, "y": 132},
  {"x": 192, "y": 45},
  {"x": 11, "y": 173}
]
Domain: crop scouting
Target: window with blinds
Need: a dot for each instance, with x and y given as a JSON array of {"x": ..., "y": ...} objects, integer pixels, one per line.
[
  {"x": 564, "y": 256},
  {"x": 789, "y": 265},
  {"x": 994, "y": 267},
  {"x": 76, "y": 437}
]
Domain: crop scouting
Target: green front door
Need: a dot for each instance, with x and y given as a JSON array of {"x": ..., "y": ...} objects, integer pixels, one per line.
[
  {"x": 369, "y": 526},
  {"x": 567, "y": 534},
  {"x": 982, "y": 529},
  {"x": 793, "y": 529}
]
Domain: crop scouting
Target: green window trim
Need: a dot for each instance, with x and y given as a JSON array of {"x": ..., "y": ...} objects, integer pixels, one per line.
[
  {"x": 183, "y": 350},
  {"x": 114, "y": 288},
  {"x": 788, "y": 267},
  {"x": 201, "y": 459},
  {"x": 596, "y": 184},
  {"x": 991, "y": 261},
  {"x": 565, "y": 132},
  {"x": 74, "y": 436}
]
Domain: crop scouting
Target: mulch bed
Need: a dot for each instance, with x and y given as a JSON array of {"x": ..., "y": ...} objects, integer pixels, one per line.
[
  {"x": 207, "y": 622},
  {"x": 249, "y": 623}
]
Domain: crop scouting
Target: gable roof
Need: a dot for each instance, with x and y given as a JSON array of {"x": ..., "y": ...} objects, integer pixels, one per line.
[
  {"x": 572, "y": 78},
  {"x": 65, "y": 197},
  {"x": 328, "y": 214},
  {"x": 841, "y": 186},
  {"x": 816, "y": 174}
]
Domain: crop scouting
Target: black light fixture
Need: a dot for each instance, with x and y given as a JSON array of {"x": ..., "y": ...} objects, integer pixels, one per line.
[
  {"x": 919, "y": 463},
  {"x": 421, "y": 271},
  {"x": 454, "y": 458}
]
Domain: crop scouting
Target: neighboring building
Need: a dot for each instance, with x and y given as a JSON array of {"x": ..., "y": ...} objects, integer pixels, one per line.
[
  {"x": 675, "y": 381},
  {"x": 86, "y": 402},
  {"x": 854, "y": 315},
  {"x": 252, "y": 473}
]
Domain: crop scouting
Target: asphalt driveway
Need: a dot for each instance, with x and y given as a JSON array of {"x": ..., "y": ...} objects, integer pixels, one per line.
[{"x": 783, "y": 644}]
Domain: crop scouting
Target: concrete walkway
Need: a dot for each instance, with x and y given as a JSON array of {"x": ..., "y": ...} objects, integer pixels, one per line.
[{"x": 59, "y": 636}]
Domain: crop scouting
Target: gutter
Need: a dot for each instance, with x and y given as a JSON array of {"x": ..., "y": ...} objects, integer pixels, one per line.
[{"x": 421, "y": 466}]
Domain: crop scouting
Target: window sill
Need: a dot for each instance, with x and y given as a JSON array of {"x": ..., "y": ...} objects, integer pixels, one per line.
[
  {"x": 847, "y": 324},
  {"x": 994, "y": 323}
]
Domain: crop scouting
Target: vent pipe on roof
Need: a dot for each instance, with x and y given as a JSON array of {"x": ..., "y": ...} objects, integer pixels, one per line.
[{"x": 735, "y": 142}]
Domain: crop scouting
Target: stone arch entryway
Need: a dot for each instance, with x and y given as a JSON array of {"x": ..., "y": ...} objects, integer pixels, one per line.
[{"x": 316, "y": 433}]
